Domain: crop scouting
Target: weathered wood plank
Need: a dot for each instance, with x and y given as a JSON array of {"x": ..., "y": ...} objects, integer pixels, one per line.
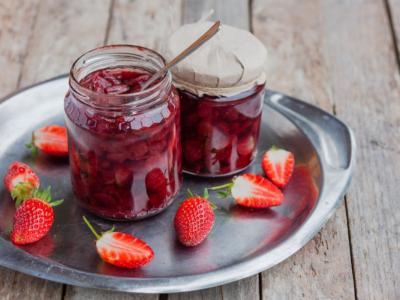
[
  {"x": 213, "y": 293},
  {"x": 16, "y": 21},
  {"x": 14, "y": 285},
  {"x": 64, "y": 30},
  {"x": 294, "y": 35},
  {"x": 234, "y": 13},
  {"x": 317, "y": 271},
  {"x": 393, "y": 11},
  {"x": 243, "y": 290},
  {"x": 366, "y": 86},
  {"x": 246, "y": 289},
  {"x": 231, "y": 12},
  {"x": 91, "y": 294},
  {"x": 144, "y": 23}
]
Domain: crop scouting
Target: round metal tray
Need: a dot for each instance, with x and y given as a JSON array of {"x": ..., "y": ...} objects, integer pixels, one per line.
[{"x": 243, "y": 241}]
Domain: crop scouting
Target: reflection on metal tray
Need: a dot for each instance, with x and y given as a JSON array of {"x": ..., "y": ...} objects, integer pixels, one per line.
[{"x": 243, "y": 241}]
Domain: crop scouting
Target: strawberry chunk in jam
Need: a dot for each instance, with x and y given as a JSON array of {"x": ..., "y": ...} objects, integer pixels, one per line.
[{"x": 115, "y": 81}]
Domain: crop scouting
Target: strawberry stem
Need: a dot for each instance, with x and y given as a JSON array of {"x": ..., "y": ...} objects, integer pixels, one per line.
[
  {"x": 222, "y": 195},
  {"x": 223, "y": 186},
  {"x": 56, "y": 203},
  {"x": 91, "y": 228},
  {"x": 190, "y": 193},
  {"x": 21, "y": 192},
  {"x": 205, "y": 193},
  {"x": 213, "y": 206},
  {"x": 32, "y": 147},
  {"x": 110, "y": 230},
  {"x": 274, "y": 147},
  {"x": 226, "y": 190},
  {"x": 43, "y": 194}
]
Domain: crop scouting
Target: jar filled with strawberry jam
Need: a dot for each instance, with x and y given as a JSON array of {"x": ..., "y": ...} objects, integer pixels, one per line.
[
  {"x": 124, "y": 142},
  {"x": 221, "y": 87}
]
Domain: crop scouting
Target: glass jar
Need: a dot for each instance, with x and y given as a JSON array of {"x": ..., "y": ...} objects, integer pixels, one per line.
[
  {"x": 221, "y": 87},
  {"x": 220, "y": 134},
  {"x": 124, "y": 144}
]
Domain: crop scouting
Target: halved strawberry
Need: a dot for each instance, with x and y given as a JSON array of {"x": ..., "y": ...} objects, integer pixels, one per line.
[
  {"x": 51, "y": 140},
  {"x": 278, "y": 165},
  {"x": 121, "y": 249},
  {"x": 252, "y": 190},
  {"x": 194, "y": 219},
  {"x": 20, "y": 180},
  {"x": 33, "y": 218}
]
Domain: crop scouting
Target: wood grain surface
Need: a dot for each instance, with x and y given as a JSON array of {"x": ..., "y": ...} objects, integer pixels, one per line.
[
  {"x": 231, "y": 12},
  {"x": 297, "y": 66},
  {"x": 366, "y": 86},
  {"x": 145, "y": 23},
  {"x": 63, "y": 30},
  {"x": 340, "y": 55},
  {"x": 16, "y": 30}
]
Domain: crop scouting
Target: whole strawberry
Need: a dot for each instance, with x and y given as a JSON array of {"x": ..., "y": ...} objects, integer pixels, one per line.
[
  {"x": 20, "y": 180},
  {"x": 252, "y": 190},
  {"x": 51, "y": 140},
  {"x": 33, "y": 218},
  {"x": 194, "y": 220},
  {"x": 278, "y": 165},
  {"x": 121, "y": 249}
]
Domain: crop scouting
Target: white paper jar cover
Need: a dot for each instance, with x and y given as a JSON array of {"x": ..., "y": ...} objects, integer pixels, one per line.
[{"x": 230, "y": 62}]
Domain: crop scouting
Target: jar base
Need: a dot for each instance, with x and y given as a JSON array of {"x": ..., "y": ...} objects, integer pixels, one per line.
[{"x": 128, "y": 219}]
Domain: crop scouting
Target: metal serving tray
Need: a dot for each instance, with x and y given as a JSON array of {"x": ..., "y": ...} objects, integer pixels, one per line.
[{"x": 243, "y": 241}]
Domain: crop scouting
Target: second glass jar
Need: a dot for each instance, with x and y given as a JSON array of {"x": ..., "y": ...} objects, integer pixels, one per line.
[{"x": 221, "y": 87}]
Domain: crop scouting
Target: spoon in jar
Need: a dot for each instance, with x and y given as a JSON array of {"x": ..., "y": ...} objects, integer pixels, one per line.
[{"x": 189, "y": 50}]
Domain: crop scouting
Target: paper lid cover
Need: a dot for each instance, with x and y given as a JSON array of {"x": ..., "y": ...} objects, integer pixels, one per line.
[{"x": 232, "y": 58}]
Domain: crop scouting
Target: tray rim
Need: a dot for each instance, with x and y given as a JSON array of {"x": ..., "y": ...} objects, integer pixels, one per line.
[{"x": 36, "y": 266}]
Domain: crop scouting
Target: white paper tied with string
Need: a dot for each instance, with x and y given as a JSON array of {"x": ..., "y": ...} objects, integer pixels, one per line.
[{"x": 230, "y": 62}]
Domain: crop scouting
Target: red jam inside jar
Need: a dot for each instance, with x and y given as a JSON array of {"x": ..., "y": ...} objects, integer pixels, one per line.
[
  {"x": 115, "y": 80},
  {"x": 220, "y": 134},
  {"x": 125, "y": 154}
]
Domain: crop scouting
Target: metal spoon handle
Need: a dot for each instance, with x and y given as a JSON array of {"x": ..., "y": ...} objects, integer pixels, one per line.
[{"x": 189, "y": 50}]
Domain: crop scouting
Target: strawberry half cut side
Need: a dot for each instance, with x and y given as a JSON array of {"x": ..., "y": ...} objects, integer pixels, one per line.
[
  {"x": 278, "y": 165},
  {"x": 252, "y": 190},
  {"x": 121, "y": 249},
  {"x": 52, "y": 140}
]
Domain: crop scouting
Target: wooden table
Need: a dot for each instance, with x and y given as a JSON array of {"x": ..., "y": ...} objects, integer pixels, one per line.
[{"x": 341, "y": 55}]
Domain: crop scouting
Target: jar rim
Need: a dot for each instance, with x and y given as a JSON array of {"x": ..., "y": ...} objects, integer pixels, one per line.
[{"x": 143, "y": 95}]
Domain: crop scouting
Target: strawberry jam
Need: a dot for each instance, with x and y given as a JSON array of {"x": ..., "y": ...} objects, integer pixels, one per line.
[
  {"x": 220, "y": 134},
  {"x": 124, "y": 143}
]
